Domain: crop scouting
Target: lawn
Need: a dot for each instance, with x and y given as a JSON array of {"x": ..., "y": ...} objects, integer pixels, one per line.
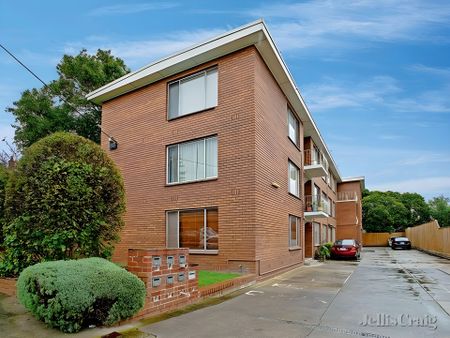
[{"x": 211, "y": 277}]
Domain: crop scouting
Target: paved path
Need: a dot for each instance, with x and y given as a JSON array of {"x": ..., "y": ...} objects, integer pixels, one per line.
[{"x": 388, "y": 294}]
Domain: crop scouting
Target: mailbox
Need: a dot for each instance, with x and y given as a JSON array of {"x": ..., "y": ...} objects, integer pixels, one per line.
[
  {"x": 170, "y": 279},
  {"x": 182, "y": 260},
  {"x": 191, "y": 275},
  {"x": 181, "y": 277},
  {"x": 156, "y": 261},
  {"x": 156, "y": 281},
  {"x": 170, "y": 261}
]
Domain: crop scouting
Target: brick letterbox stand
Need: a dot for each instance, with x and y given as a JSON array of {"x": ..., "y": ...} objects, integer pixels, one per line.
[{"x": 170, "y": 282}]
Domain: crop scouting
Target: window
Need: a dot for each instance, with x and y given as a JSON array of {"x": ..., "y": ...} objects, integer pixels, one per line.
[
  {"x": 193, "y": 93},
  {"x": 293, "y": 126},
  {"x": 294, "y": 179},
  {"x": 196, "y": 229},
  {"x": 326, "y": 203},
  {"x": 333, "y": 234},
  {"x": 294, "y": 231},
  {"x": 316, "y": 156},
  {"x": 329, "y": 233},
  {"x": 323, "y": 237},
  {"x": 316, "y": 229},
  {"x": 333, "y": 182},
  {"x": 192, "y": 161}
]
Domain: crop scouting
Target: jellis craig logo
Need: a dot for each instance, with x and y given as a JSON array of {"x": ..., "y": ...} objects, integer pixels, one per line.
[{"x": 403, "y": 320}]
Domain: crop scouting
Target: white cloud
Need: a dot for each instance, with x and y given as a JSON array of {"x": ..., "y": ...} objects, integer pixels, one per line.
[
  {"x": 431, "y": 101},
  {"x": 444, "y": 72},
  {"x": 427, "y": 185},
  {"x": 389, "y": 137},
  {"x": 131, "y": 8},
  {"x": 375, "y": 93},
  {"x": 141, "y": 52},
  {"x": 425, "y": 158},
  {"x": 331, "y": 94},
  {"x": 331, "y": 23}
]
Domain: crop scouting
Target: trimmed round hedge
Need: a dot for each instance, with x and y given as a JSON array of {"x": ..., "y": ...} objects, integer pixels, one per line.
[
  {"x": 70, "y": 295},
  {"x": 64, "y": 200}
]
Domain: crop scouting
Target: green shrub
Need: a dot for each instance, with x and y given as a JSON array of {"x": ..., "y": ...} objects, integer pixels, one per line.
[
  {"x": 70, "y": 295},
  {"x": 64, "y": 200},
  {"x": 324, "y": 251}
]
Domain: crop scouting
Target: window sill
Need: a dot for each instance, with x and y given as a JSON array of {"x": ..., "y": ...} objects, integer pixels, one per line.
[
  {"x": 190, "y": 182},
  {"x": 295, "y": 248},
  {"x": 297, "y": 197},
  {"x": 189, "y": 114},
  {"x": 296, "y": 145},
  {"x": 203, "y": 252}
]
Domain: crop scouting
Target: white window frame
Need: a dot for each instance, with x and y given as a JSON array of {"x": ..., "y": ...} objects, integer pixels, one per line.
[
  {"x": 296, "y": 141},
  {"x": 316, "y": 239},
  {"x": 205, "y": 225},
  {"x": 323, "y": 233},
  {"x": 204, "y": 161},
  {"x": 179, "y": 81},
  {"x": 290, "y": 163},
  {"x": 297, "y": 231}
]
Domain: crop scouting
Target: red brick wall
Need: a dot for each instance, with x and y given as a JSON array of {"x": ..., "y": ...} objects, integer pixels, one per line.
[
  {"x": 8, "y": 286},
  {"x": 164, "y": 297},
  {"x": 349, "y": 213},
  {"x": 273, "y": 150},
  {"x": 138, "y": 122}
]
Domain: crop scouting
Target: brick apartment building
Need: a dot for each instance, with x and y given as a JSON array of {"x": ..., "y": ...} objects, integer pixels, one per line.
[{"x": 220, "y": 154}]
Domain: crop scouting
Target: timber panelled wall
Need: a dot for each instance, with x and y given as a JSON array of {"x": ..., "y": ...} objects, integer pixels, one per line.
[
  {"x": 430, "y": 237},
  {"x": 250, "y": 122},
  {"x": 379, "y": 238}
]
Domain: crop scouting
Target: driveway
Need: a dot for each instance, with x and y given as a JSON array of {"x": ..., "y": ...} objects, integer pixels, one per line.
[{"x": 388, "y": 294}]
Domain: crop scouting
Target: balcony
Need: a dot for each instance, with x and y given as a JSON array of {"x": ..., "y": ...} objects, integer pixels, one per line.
[
  {"x": 347, "y": 196},
  {"x": 316, "y": 165},
  {"x": 316, "y": 207}
]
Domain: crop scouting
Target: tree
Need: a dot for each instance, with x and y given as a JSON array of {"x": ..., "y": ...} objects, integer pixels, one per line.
[
  {"x": 64, "y": 200},
  {"x": 4, "y": 175},
  {"x": 440, "y": 210},
  {"x": 419, "y": 211},
  {"x": 383, "y": 212},
  {"x": 62, "y": 105}
]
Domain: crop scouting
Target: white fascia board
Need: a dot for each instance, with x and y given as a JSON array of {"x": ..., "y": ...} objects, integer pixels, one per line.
[
  {"x": 255, "y": 33},
  {"x": 286, "y": 82},
  {"x": 224, "y": 44}
]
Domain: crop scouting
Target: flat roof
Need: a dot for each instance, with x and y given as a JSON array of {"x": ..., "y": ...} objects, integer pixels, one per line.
[{"x": 256, "y": 34}]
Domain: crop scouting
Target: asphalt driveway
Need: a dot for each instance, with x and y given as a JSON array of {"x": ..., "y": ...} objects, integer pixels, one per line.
[{"x": 388, "y": 294}]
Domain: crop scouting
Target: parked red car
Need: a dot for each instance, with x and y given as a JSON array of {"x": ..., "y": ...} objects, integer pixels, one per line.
[{"x": 346, "y": 248}]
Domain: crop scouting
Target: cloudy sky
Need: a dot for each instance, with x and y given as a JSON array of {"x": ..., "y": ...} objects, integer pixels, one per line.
[{"x": 375, "y": 74}]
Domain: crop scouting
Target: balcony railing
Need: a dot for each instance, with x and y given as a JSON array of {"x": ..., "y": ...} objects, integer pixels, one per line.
[
  {"x": 347, "y": 196},
  {"x": 315, "y": 203},
  {"x": 314, "y": 157}
]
